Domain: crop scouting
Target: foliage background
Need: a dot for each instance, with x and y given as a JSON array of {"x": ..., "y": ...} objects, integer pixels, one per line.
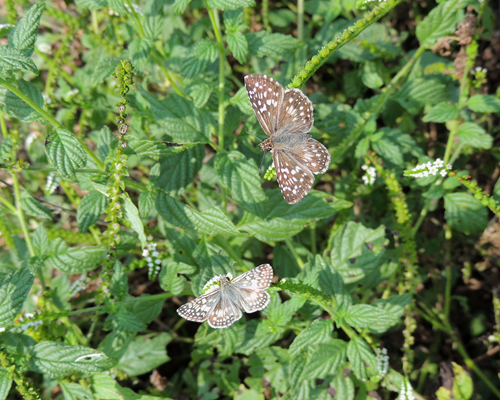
[{"x": 102, "y": 158}]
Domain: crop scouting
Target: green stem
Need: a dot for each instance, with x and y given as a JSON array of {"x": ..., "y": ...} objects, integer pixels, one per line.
[
  {"x": 214, "y": 18},
  {"x": 291, "y": 247},
  {"x": 3, "y": 125},
  {"x": 136, "y": 17},
  {"x": 447, "y": 293},
  {"x": 314, "y": 248},
  {"x": 157, "y": 58},
  {"x": 300, "y": 20},
  {"x": 48, "y": 117},
  {"x": 20, "y": 215},
  {"x": 265, "y": 15},
  {"x": 7, "y": 204}
]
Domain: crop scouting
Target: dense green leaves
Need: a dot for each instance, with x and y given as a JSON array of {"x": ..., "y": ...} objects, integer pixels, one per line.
[
  {"x": 65, "y": 152},
  {"x": 484, "y": 103},
  {"x": 14, "y": 59},
  {"x": 74, "y": 259},
  {"x": 14, "y": 288},
  {"x": 199, "y": 57},
  {"x": 464, "y": 213},
  {"x": 90, "y": 209},
  {"x": 440, "y": 22},
  {"x": 19, "y": 108},
  {"x": 23, "y": 36},
  {"x": 473, "y": 135}
]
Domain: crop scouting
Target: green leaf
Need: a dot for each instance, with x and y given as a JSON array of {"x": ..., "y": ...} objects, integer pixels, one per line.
[
  {"x": 361, "y": 357},
  {"x": 367, "y": 316},
  {"x": 441, "y": 112},
  {"x": 119, "y": 281},
  {"x": 40, "y": 240},
  {"x": 180, "y": 6},
  {"x": 484, "y": 103},
  {"x": 474, "y": 135},
  {"x": 90, "y": 209},
  {"x": 124, "y": 320},
  {"x": 230, "y": 4},
  {"x": 14, "y": 289},
  {"x": 464, "y": 213},
  {"x": 326, "y": 360},
  {"x": 394, "y": 306},
  {"x": 318, "y": 332},
  {"x": 92, "y": 4},
  {"x": 74, "y": 260},
  {"x": 357, "y": 251},
  {"x": 258, "y": 335},
  {"x": 212, "y": 222},
  {"x": 103, "y": 70},
  {"x": 74, "y": 391},
  {"x": 417, "y": 92},
  {"x": 60, "y": 359},
  {"x": 34, "y": 208},
  {"x": 233, "y": 20},
  {"x": 6, "y": 149},
  {"x": 240, "y": 100},
  {"x": 263, "y": 43},
  {"x": 145, "y": 354},
  {"x": 139, "y": 52},
  {"x": 171, "y": 281},
  {"x": 238, "y": 44},
  {"x": 178, "y": 171},
  {"x": 5, "y": 383},
  {"x": 18, "y": 108},
  {"x": 156, "y": 150},
  {"x": 181, "y": 119},
  {"x": 147, "y": 309},
  {"x": 343, "y": 386},
  {"x": 440, "y": 22},
  {"x": 66, "y": 153},
  {"x": 385, "y": 145},
  {"x": 463, "y": 388},
  {"x": 272, "y": 230},
  {"x": 241, "y": 176},
  {"x": 14, "y": 60},
  {"x": 200, "y": 92},
  {"x": 200, "y": 56},
  {"x": 24, "y": 34},
  {"x": 132, "y": 216}
]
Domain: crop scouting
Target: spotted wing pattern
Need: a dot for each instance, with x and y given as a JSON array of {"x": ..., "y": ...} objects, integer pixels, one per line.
[
  {"x": 221, "y": 307},
  {"x": 287, "y": 117}
]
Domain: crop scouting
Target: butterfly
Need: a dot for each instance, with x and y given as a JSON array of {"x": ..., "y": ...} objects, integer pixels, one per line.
[
  {"x": 222, "y": 303},
  {"x": 286, "y": 116}
]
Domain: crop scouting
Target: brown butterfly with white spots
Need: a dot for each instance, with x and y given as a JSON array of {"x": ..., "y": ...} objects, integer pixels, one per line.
[{"x": 286, "y": 116}]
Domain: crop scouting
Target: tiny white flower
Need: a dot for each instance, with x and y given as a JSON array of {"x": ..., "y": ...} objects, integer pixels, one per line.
[
  {"x": 145, "y": 253},
  {"x": 45, "y": 48},
  {"x": 149, "y": 259},
  {"x": 155, "y": 254},
  {"x": 443, "y": 173},
  {"x": 433, "y": 170},
  {"x": 438, "y": 163},
  {"x": 448, "y": 166},
  {"x": 364, "y": 167},
  {"x": 150, "y": 238},
  {"x": 157, "y": 261}
]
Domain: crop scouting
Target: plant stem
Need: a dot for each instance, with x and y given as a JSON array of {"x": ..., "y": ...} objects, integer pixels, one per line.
[
  {"x": 214, "y": 18},
  {"x": 300, "y": 20},
  {"x": 290, "y": 246},
  {"x": 20, "y": 215},
  {"x": 157, "y": 57},
  {"x": 7, "y": 204},
  {"x": 49, "y": 118}
]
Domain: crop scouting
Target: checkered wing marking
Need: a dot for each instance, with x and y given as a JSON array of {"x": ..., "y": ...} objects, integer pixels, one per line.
[
  {"x": 266, "y": 96},
  {"x": 254, "y": 299},
  {"x": 313, "y": 155},
  {"x": 294, "y": 178},
  {"x": 258, "y": 278},
  {"x": 224, "y": 314},
  {"x": 199, "y": 309},
  {"x": 296, "y": 114}
]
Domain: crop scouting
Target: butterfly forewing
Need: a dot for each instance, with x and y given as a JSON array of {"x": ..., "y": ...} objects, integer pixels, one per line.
[
  {"x": 296, "y": 114},
  {"x": 199, "y": 309},
  {"x": 294, "y": 178},
  {"x": 266, "y": 96},
  {"x": 258, "y": 278}
]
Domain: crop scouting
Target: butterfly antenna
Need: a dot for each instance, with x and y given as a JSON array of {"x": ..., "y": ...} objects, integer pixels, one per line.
[
  {"x": 260, "y": 166},
  {"x": 232, "y": 267},
  {"x": 255, "y": 137}
]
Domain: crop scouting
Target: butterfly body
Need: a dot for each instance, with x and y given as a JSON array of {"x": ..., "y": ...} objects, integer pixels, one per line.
[
  {"x": 286, "y": 116},
  {"x": 221, "y": 305}
]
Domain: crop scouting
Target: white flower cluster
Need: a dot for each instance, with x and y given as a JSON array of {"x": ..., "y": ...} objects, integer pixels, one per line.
[
  {"x": 2, "y": 329},
  {"x": 406, "y": 392},
  {"x": 214, "y": 283},
  {"x": 24, "y": 327},
  {"x": 480, "y": 69},
  {"x": 71, "y": 93},
  {"x": 44, "y": 48},
  {"x": 382, "y": 362},
  {"x": 79, "y": 285},
  {"x": 52, "y": 183},
  {"x": 46, "y": 98},
  {"x": 151, "y": 255},
  {"x": 427, "y": 169},
  {"x": 136, "y": 8},
  {"x": 369, "y": 177}
]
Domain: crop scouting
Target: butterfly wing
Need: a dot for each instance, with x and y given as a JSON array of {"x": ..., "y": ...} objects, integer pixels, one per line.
[
  {"x": 253, "y": 300},
  {"x": 294, "y": 178},
  {"x": 266, "y": 97},
  {"x": 199, "y": 309},
  {"x": 311, "y": 154},
  {"x": 225, "y": 313},
  {"x": 296, "y": 113},
  {"x": 258, "y": 278}
]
